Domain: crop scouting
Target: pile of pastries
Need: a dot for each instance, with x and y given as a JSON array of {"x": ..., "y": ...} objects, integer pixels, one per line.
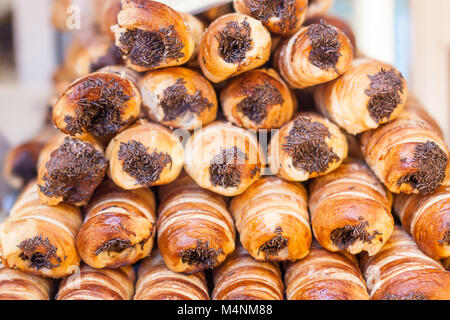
[{"x": 249, "y": 152}]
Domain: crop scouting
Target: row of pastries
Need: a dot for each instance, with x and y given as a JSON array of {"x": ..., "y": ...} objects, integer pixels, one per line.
[{"x": 154, "y": 184}]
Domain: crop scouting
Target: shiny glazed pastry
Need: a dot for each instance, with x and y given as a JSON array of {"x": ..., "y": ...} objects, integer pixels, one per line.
[
  {"x": 272, "y": 220},
  {"x": 98, "y": 284},
  {"x": 307, "y": 147},
  {"x": 233, "y": 44},
  {"x": 370, "y": 93},
  {"x": 350, "y": 209},
  {"x": 101, "y": 104},
  {"x": 119, "y": 227},
  {"x": 427, "y": 219},
  {"x": 258, "y": 99},
  {"x": 69, "y": 169},
  {"x": 400, "y": 271},
  {"x": 243, "y": 278},
  {"x": 280, "y": 17},
  {"x": 157, "y": 282},
  {"x": 178, "y": 98},
  {"x": 195, "y": 230},
  {"x": 146, "y": 154},
  {"x": 40, "y": 239},
  {"x": 152, "y": 35},
  {"x": 223, "y": 158},
  {"x": 325, "y": 275},
  {"x": 409, "y": 154},
  {"x": 315, "y": 54}
]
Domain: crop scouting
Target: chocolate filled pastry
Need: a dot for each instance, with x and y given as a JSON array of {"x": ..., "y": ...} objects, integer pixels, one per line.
[
  {"x": 400, "y": 271},
  {"x": 119, "y": 227},
  {"x": 101, "y": 103},
  {"x": 18, "y": 285},
  {"x": 223, "y": 158},
  {"x": 370, "y": 93},
  {"x": 70, "y": 169},
  {"x": 157, "y": 282},
  {"x": 280, "y": 17},
  {"x": 146, "y": 154},
  {"x": 152, "y": 35},
  {"x": 178, "y": 98},
  {"x": 195, "y": 230},
  {"x": 315, "y": 54},
  {"x": 350, "y": 209},
  {"x": 98, "y": 284},
  {"x": 307, "y": 147},
  {"x": 258, "y": 99},
  {"x": 325, "y": 275},
  {"x": 40, "y": 239},
  {"x": 409, "y": 154},
  {"x": 233, "y": 44},
  {"x": 20, "y": 165},
  {"x": 243, "y": 278},
  {"x": 427, "y": 219},
  {"x": 318, "y": 7},
  {"x": 272, "y": 220}
]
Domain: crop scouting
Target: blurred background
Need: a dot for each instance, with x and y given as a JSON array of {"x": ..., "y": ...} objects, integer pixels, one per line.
[{"x": 413, "y": 35}]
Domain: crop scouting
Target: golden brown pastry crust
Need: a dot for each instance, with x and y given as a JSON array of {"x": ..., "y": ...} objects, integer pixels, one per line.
[
  {"x": 350, "y": 209},
  {"x": 243, "y": 278},
  {"x": 272, "y": 220},
  {"x": 306, "y": 147},
  {"x": 152, "y": 35},
  {"x": 40, "y": 239},
  {"x": 101, "y": 103},
  {"x": 258, "y": 99},
  {"x": 220, "y": 60},
  {"x": 195, "y": 230},
  {"x": 315, "y": 54},
  {"x": 157, "y": 282},
  {"x": 282, "y": 19},
  {"x": 18, "y": 285},
  {"x": 178, "y": 98},
  {"x": 119, "y": 227},
  {"x": 325, "y": 275},
  {"x": 400, "y": 271},
  {"x": 408, "y": 154},
  {"x": 224, "y": 158},
  {"x": 98, "y": 284},
  {"x": 146, "y": 154},
  {"x": 69, "y": 169},
  {"x": 369, "y": 94},
  {"x": 427, "y": 219}
]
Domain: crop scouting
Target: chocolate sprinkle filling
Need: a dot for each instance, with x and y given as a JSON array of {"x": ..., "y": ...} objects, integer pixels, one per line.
[
  {"x": 73, "y": 171},
  {"x": 348, "y": 235},
  {"x": 99, "y": 112},
  {"x": 431, "y": 163},
  {"x": 284, "y": 10},
  {"x": 202, "y": 255},
  {"x": 274, "y": 245},
  {"x": 150, "y": 48},
  {"x": 114, "y": 245},
  {"x": 384, "y": 92},
  {"x": 112, "y": 57},
  {"x": 39, "y": 252},
  {"x": 410, "y": 296},
  {"x": 145, "y": 167},
  {"x": 325, "y": 45},
  {"x": 224, "y": 168},
  {"x": 234, "y": 41},
  {"x": 176, "y": 101},
  {"x": 24, "y": 165},
  {"x": 307, "y": 147},
  {"x": 258, "y": 98}
]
